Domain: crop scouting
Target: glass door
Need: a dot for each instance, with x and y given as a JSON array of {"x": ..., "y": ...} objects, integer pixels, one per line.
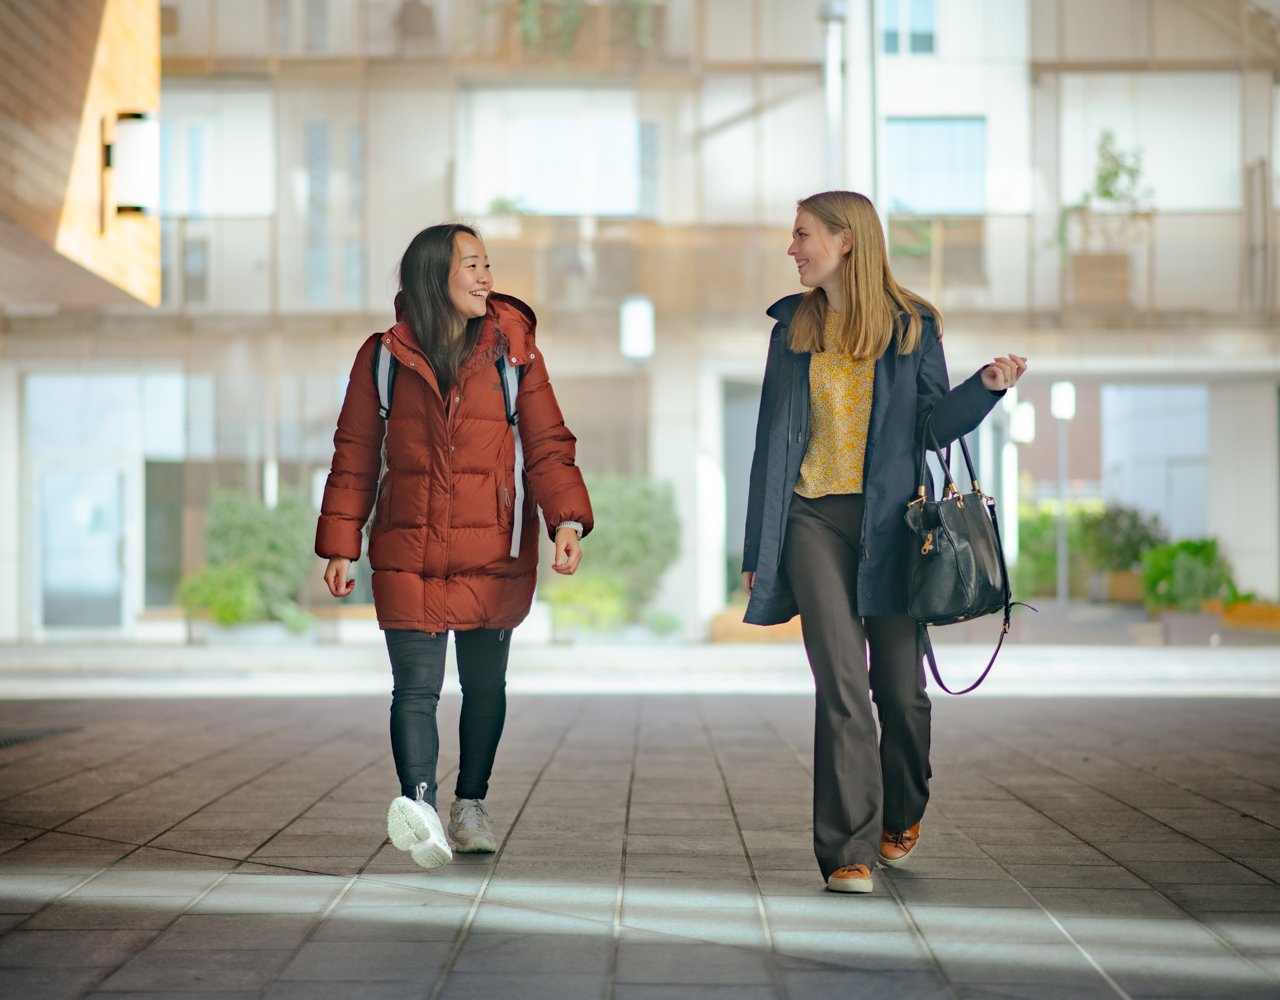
[{"x": 82, "y": 546}]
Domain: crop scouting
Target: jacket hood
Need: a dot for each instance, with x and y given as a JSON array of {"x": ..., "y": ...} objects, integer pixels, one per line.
[{"x": 509, "y": 317}]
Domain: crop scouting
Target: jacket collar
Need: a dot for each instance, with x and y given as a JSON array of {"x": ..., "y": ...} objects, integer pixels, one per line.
[
  {"x": 785, "y": 308},
  {"x": 508, "y": 322}
]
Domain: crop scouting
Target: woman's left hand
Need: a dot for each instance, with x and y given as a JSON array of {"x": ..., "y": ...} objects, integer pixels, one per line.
[
  {"x": 1003, "y": 373},
  {"x": 568, "y": 551}
]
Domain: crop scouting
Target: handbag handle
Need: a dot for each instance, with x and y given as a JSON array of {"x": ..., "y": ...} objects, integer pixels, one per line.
[
  {"x": 944, "y": 456},
  {"x": 989, "y": 504}
]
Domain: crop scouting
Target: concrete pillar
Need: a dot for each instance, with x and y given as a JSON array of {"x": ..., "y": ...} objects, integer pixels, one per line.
[
  {"x": 11, "y": 504},
  {"x": 1244, "y": 481},
  {"x": 673, "y": 457}
]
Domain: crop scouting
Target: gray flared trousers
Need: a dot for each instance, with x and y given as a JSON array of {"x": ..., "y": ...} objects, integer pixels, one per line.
[{"x": 862, "y": 781}]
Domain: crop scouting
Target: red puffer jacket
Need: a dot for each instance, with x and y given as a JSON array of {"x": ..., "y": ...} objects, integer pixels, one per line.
[{"x": 440, "y": 544}]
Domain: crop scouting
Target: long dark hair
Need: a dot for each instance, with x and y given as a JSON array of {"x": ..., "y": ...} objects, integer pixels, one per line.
[{"x": 444, "y": 336}]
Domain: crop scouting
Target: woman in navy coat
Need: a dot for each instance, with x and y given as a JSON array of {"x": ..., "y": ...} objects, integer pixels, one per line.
[{"x": 855, "y": 372}]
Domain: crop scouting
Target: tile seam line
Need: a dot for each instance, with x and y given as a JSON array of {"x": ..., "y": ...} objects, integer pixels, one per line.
[
  {"x": 1155, "y": 775},
  {"x": 318, "y": 922},
  {"x": 460, "y": 940},
  {"x": 157, "y": 933},
  {"x": 1174, "y": 903},
  {"x": 762, "y": 911},
  {"x": 806, "y": 766},
  {"x": 176, "y": 770},
  {"x": 78, "y": 773},
  {"x": 146, "y": 844},
  {"x": 193, "y": 903},
  {"x": 612, "y": 974},
  {"x": 218, "y": 882}
]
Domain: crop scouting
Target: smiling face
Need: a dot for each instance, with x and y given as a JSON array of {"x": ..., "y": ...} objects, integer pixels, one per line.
[
  {"x": 819, "y": 254},
  {"x": 470, "y": 280}
]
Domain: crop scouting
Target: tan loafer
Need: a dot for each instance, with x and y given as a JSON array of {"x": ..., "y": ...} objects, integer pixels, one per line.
[
  {"x": 895, "y": 848},
  {"x": 850, "y": 878}
]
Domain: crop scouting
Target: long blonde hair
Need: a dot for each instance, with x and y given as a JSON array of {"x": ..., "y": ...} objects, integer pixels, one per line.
[{"x": 873, "y": 299}]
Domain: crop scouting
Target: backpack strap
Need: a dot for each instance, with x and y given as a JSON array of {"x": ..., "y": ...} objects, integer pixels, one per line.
[
  {"x": 509, "y": 375},
  {"x": 385, "y": 367}
]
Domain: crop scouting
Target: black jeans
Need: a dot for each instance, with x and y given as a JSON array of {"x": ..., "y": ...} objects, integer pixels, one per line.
[
  {"x": 417, "y": 667},
  {"x": 861, "y": 783}
]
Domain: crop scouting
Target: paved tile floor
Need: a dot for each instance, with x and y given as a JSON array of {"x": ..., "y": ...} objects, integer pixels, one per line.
[{"x": 653, "y": 846}]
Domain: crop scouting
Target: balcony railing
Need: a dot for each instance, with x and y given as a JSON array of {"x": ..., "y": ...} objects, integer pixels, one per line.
[
  {"x": 1171, "y": 269},
  {"x": 1158, "y": 267},
  {"x": 594, "y": 35}
]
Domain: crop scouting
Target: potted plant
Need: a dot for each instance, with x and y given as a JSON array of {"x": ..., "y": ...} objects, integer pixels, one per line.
[
  {"x": 1106, "y": 220},
  {"x": 1113, "y": 541},
  {"x": 1180, "y": 582},
  {"x": 258, "y": 558}
]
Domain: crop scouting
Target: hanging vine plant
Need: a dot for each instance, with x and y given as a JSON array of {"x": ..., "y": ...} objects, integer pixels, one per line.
[{"x": 537, "y": 26}]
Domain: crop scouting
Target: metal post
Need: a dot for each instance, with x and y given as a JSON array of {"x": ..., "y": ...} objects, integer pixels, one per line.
[
  {"x": 1063, "y": 594},
  {"x": 1062, "y": 404}
]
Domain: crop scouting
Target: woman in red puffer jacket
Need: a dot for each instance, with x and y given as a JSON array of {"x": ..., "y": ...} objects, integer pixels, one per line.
[{"x": 452, "y": 546}]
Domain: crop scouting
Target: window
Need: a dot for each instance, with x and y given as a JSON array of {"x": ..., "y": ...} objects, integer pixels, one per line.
[
  {"x": 316, "y": 255},
  {"x": 317, "y": 26},
  {"x": 936, "y": 166},
  {"x": 936, "y": 181},
  {"x": 334, "y": 256},
  {"x": 908, "y": 26},
  {"x": 555, "y": 152}
]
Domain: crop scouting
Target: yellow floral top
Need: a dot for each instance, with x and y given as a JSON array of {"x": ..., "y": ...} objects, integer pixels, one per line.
[{"x": 840, "y": 392}]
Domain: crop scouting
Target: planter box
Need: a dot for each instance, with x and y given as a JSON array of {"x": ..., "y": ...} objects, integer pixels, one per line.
[
  {"x": 1118, "y": 586},
  {"x": 201, "y": 632},
  {"x": 1099, "y": 279},
  {"x": 1256, "y": 616},
  {"x": 728, "y": 626},
  {"x": 1191, "y": 628}
]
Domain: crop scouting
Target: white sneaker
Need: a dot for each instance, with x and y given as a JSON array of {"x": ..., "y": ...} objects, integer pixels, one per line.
[
  {"x": 469, "y": 827},
  {"x": 413, "y": 826}
]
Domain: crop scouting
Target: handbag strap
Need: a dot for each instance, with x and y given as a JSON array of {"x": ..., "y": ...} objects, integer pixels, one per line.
[
  {"x": 933, "y": 662},
  {"x": 990, "y": 507}
]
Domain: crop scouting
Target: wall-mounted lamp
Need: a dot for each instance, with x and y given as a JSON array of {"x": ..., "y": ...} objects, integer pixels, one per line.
[
  {"x": 133, "y": 157},
  {"x": 635, "y": 321}
]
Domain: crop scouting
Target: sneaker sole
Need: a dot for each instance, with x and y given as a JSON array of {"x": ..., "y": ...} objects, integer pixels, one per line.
[
  {"x": 857, "y": 885},
  {"x": 476, "y": 845},
  {"x": 405, "y": 825},
  {"x": 896, "y": 862},
  {"x": 429, "y": 855}
]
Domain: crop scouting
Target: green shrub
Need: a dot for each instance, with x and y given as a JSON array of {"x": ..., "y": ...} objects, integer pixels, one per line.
[
  {"x": 637, "y": 534},
  {"x": 272, "y": 545},
  {"x": 1035, "y": 574},
  {"x": 592, "y": 599},
  {"x": 1182, "y": 576},
  {"x": 1116, "y": 537},
  {"x": 228, "y": 594}
]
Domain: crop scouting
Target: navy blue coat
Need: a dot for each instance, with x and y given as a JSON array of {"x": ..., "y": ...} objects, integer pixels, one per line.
[{"x": 909, "y": 389}]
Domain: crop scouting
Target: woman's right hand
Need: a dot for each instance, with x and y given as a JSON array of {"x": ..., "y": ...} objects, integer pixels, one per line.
[
  {"x": 748, "y": 581},
  {"x": 335, "y": 575}
]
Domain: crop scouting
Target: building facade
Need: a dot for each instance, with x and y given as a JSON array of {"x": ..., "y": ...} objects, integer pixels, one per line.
[{"x": 651, "y": 151}]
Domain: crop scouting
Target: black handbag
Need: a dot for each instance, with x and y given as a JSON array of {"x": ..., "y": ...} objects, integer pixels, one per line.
[{"x": 956, "y": 569}]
